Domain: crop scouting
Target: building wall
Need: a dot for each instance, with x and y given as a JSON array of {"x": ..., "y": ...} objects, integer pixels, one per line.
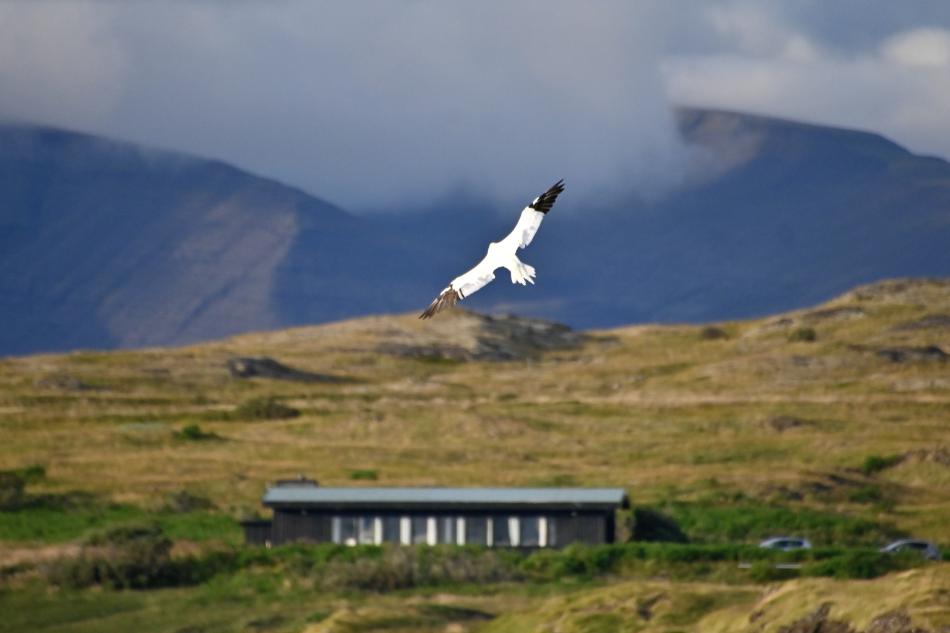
[{"x": 496, "y": 529}]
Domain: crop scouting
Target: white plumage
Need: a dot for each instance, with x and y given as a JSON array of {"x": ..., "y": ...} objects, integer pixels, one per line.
[{"x": 501, "y": 254}]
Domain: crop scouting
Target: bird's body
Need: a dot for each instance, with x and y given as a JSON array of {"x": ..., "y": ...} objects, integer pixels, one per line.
[{"x": 502, "y": 254}]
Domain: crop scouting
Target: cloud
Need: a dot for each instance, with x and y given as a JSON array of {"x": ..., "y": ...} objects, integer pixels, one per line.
[
  {"x": 928, "y": 48},
  {"x": 391, "y": 104},
  {"x": 900, "y": 87},
  {"x": 380, "y": 104},
  {"x": 58, "y": 61}
]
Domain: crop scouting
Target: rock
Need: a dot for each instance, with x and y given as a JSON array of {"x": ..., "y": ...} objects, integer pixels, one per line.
[
  {"x": 464, "y": 336},
  {"x": 896, "y": 621},
  {"x": 265, "y": 367},
  {"x": 904, "y": 354},
  {"x": 818, "y": 622},
  {"x": 931, "y": 321},
  {"x": 843, "y": 313}
]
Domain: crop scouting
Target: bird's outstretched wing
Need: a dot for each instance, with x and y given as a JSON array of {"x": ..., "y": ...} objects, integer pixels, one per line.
[
  {"x": 461, "y": 287},
  {"x": 484, "y": 272},
  {"x": 531, "y": 217}
]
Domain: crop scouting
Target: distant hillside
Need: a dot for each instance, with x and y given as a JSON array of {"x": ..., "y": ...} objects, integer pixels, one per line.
[
  {"x": 104, "y": 244},
  {"x": 779, "y": 215}
]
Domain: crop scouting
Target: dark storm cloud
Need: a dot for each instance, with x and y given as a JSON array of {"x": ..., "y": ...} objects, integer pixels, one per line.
[{"x": 385, "y": 104}]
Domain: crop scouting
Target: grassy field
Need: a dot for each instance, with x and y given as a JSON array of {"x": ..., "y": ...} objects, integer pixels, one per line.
[{"x": 832, "y": 422}]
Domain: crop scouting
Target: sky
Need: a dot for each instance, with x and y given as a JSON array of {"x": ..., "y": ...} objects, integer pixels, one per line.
[{"x": 390, "y": 104}]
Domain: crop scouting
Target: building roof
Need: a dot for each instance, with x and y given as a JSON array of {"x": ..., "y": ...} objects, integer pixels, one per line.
[{"x": 288, "y": 495}]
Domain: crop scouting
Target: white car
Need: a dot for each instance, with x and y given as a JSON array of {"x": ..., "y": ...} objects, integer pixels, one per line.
[
  {"x": 786, "y": 543},
  {"x": 925, "y": 548}
]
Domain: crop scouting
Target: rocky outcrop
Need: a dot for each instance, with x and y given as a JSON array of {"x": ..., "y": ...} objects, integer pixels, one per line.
[{"x": 265, "y": 367}]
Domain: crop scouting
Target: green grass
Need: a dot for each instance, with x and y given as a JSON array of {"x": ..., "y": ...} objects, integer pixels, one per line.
[
  {"x": 55, "y": 525},
  {"x": 746, "y": 521}
]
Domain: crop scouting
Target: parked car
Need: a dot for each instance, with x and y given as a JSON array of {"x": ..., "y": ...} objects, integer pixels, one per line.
[
  {"x": 924, "y": 548},
  {"x": 786, "y": 543}
]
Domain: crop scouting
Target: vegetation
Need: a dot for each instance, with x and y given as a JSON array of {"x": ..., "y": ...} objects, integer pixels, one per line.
[
  {"x": 194, "y": 433},
  {"x": 266, "y": 408},
  {"x": 720, "y": 441},
  {"x": 876, "y": 463},
  {"x": 803, "y": 334}
]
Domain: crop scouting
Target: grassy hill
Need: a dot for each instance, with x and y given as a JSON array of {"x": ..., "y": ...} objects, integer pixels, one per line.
[{"x": 831, "y": 422}]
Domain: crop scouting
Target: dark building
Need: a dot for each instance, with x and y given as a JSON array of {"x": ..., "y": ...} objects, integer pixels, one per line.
[{"x": 495, "y": 517}]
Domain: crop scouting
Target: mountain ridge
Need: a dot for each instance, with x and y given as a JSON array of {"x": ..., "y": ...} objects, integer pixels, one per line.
[{"x": 103, "y": 244}]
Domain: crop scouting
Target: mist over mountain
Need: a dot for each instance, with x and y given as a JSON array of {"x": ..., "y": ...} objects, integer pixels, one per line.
[{"x": 105, "y": 244}]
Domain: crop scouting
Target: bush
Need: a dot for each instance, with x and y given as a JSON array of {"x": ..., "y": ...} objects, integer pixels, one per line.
[
  {"x": 194, "y": 433},
  {"x": 652, "y": 525},
  {"x": 712, "y": 333},
  {"x": 126, "y": 557},
  {"x": 407, "y": 567},
  {"x": 184, "y": 501},
  {"x": 876, "y": 463},
  {"x": 13, "y": 485},
  {"x": 746, "y": 521},
  {"x": 370, "y": 475},
  {"x": 860, "y": 565},
  {"x": 803, "y": 334},
  {"x": 135, "y": 556},
  {"x": 269, "y": 408},
  {"x": 12, "y": 490}
]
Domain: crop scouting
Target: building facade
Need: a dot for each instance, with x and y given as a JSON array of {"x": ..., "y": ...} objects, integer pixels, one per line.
[{"x": 492, "y": 517}]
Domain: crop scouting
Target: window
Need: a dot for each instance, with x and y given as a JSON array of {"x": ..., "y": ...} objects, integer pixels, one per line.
[
  {"x": 344, "y": 530},
  {"x": 367, "y": 530},
  {"x": 447, "y": 530},
  {"x": 390, "y": 529},
  {"x": 420, "y": 530},
  {"x": 501, "y": 535},
  {"x": 530, "y": 532},
  {"x": 476, "y": 531}
]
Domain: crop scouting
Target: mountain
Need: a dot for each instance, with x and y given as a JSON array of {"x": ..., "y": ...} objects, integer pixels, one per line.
[
  {"x": 778, "y": 215},
  {"x": 105, "y": 244}
]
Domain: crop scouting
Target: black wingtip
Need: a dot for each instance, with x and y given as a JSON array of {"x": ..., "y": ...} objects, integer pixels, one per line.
[
  {"x": 546, "y": 200},
  {"x": 446, "y": 299}
]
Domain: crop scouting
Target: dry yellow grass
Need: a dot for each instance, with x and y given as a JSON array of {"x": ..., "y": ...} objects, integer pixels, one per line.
[
  {"x": 657, "y": 409},
  {"x": 661, "y": 606}
]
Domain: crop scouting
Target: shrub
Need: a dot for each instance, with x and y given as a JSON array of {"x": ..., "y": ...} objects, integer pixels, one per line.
[
  {"x": 876, "y": 463},
  {"x": 12, "y": 490},
  {"x": 803, "y": 334},
  {"x": 135, "y": 556},
  {"x": 184, "y": 501},
  {"x": 746, "y": 520},
  {"x": 13, "y": 485},
  {"x": 371, "y": 475},
  {"x": 407, "y": 567},
  {"x": 860, "y": 565},
  {"x": 126, "y": 557},
  {"x": 866, "y": 494},
  {"x": 269, "y": 408},
  {"x": 652, "y": 525},
  {"x": 712, "y": 333},
  {"x": 194, "y": 433}
]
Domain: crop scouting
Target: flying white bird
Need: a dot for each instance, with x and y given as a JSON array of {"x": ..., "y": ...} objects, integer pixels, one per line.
[{"x": 500, "y": 255}]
